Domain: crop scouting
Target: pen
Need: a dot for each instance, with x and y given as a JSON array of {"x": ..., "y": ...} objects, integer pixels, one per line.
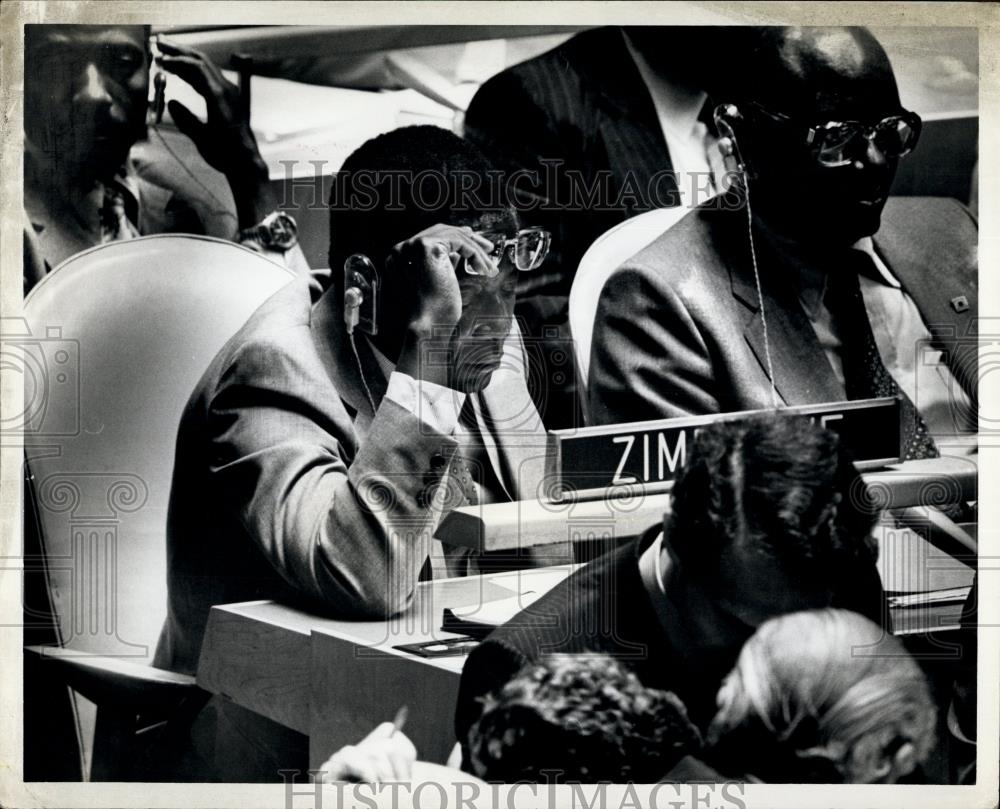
[{"x": 400, "y": 719}]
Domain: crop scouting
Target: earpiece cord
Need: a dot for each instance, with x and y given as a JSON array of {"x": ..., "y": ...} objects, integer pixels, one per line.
[
  {"x": 361, "y": 372},
  {"x": 760, "y": 295}
]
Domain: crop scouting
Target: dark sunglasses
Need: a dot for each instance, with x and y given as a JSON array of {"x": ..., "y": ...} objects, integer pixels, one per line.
[{"x": 839, "y": 143}]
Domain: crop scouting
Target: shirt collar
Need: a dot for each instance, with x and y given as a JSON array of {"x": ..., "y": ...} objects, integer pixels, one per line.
[
  {"x": 867, "y": 246},
  {"x": 812, "y": 277},
  {"x": 677, "y": 107}
]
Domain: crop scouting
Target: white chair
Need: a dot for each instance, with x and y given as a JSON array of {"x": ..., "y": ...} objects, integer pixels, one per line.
[
  {"x": 608, "y": 252},
  {"x": 118, "y": 337}
]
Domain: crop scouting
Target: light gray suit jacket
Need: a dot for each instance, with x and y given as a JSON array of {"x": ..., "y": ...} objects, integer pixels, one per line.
[
  {"x": 279, "y": 492},
  {"x": 678, "y": 329}
]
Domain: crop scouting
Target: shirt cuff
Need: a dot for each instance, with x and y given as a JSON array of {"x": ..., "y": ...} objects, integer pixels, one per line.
[{"x": 435, "y": 405}]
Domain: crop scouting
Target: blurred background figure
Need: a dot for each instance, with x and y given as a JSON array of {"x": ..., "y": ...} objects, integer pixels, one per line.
[
  {"x": 824, "y": 696},
  {"x": 86, "y": 106}
]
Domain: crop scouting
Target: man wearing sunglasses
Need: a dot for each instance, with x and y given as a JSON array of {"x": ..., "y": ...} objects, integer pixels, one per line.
[{"x": 858, "y": 293}]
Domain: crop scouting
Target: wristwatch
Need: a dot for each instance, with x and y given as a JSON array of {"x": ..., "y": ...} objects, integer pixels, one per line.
[{"x": 276, "y": 231}]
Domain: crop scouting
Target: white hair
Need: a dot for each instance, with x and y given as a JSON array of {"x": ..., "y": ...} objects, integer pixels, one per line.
[{"x": 830, "y": 685}]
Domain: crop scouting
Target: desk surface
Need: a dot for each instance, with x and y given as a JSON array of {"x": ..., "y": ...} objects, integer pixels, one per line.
[
  {"x": 526, "y": 523},
  {"x": 334, "y": 680}
]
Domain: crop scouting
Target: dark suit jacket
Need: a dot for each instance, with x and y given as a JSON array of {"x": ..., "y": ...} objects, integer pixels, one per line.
[
  {"x": 585, "y": 104},
  {"x": 604, "y": 607},
  {"x": 678, "y": 329},
  {"x": 278, "y": 493}
]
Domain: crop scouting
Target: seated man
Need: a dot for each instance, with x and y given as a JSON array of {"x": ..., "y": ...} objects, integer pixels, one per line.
[
  {"x": 315, "y": 461},
  {"x": 765, "y": 519},
  {"x": 607, "y": 125},
  {"x": 86, "y": 98},
  {"x": 855, "y": 290}
]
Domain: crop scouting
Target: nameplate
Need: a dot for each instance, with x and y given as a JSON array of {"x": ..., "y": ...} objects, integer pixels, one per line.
[{"x": 649, "y": 454}]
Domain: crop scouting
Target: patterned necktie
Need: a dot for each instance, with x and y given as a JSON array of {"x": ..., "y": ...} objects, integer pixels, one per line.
[{"x": 865, "y": 375}]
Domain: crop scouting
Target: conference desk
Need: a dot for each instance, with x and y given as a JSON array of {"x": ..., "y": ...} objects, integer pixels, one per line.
[{"x": 334, "y": 680}]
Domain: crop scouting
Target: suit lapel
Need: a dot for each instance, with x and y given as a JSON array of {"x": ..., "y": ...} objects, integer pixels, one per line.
[
  {"x": 934, "y": 276},
  {"x": 342, "y": 366},
  {"x": 802, "y": 372}
]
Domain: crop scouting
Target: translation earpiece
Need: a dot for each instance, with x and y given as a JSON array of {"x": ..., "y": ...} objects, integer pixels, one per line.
[
  {"x": 725, "y": 115},
  {"x": 361, "y": 287}
]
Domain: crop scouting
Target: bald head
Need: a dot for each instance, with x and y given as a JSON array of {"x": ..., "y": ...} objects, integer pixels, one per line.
[
  {"x": 818, "y": 72},
  {"x": 794, "y": 88}
]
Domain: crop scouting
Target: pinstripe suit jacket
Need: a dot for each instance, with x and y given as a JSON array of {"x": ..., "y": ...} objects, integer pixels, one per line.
[{"x": 585, "y": 104}]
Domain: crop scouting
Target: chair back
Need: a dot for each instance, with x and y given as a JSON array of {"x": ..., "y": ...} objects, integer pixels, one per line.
[
  {"x": 117, "y": 338},
  {"x": 608, "y": 252}
]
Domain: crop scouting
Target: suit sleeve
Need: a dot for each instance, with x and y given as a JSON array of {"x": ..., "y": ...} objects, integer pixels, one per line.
[
  {"x": 349, "y": 529},
  {"x": 648, "y": 359}
]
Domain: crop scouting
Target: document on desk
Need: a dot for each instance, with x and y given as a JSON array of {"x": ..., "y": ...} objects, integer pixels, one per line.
[{"x": 478, "y": 620}]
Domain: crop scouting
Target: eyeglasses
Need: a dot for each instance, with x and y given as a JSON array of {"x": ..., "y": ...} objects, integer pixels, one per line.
[
  {"x": 527, "y": 249},
  {"x": 839, "y": 143}
]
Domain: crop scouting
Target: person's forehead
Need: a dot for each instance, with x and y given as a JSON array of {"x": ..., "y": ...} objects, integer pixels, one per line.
[{"x": 89, "y": 35}]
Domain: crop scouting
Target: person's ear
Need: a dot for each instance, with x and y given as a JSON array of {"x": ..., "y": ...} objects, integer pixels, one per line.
[
  {"x": 728, "y": 122},
  {"x": 893, "y": 765},
  {"x": 905, "y": 760}
]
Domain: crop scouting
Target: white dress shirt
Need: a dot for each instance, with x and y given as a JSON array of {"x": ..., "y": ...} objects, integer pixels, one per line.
[
  {"x": 688, "y": 140},
  {"x": 904, "y": 344}
]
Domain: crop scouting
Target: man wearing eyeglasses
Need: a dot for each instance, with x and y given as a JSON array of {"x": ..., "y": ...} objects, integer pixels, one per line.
[
  {"x": 859, "y": 295},
  {"x": 332, "y": 433}
]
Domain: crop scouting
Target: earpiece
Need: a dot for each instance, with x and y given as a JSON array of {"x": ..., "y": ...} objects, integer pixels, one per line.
[
  {"x": 725, "y": 115},
  {"x": 360, "y": 289},
  {"x": 353, "y": 298},
  {"x": 360, "y": 294}
]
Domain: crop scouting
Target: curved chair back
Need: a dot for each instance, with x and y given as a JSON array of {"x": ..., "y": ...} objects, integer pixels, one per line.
[
  {"x": 608, "y": 252},
  {"x": 119, "y": 336}
]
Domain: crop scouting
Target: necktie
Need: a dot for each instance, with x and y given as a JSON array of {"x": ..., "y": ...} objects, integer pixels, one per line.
[
  {"x": 461, "y": 459},
  {"x": 865, "y": 375},
  {"x": 115, "y": 224}
]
